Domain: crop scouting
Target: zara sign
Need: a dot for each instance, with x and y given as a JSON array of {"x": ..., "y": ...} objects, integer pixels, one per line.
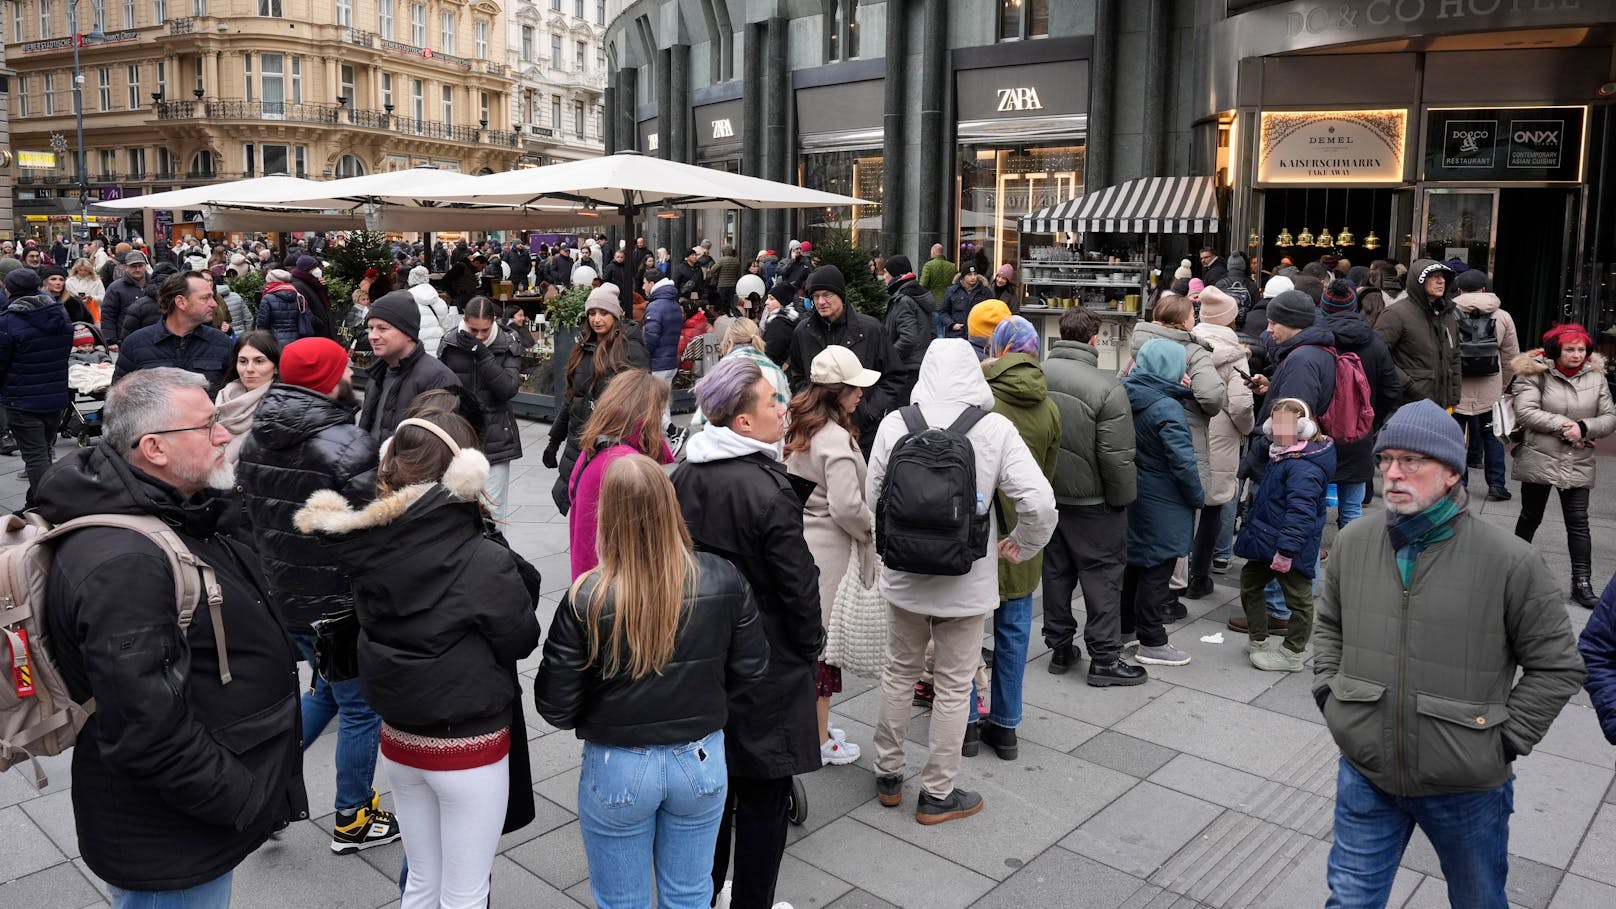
[
  {"x": 1056, "y": 89},
  {"x": 723, "y": 123}
]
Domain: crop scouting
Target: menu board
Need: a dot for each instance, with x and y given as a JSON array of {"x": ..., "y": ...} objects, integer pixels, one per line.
[{"x": 1505, "y": 144}]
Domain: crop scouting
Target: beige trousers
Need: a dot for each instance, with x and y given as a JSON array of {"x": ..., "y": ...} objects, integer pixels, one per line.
[{"x": 957, "y": 646}]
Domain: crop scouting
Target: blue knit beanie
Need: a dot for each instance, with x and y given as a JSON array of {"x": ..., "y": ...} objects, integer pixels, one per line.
[
  {"x": 1164, "y": 359},
  {"x": 1426, "y": 428}
]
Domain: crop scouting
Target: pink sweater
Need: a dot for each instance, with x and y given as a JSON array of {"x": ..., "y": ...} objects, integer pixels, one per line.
[{"x": 582, "y": 520}]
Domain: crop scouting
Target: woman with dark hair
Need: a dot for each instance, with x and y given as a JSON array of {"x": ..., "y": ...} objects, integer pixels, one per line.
[
  {"x": 444, "y": 614},
  {"x": 605, "y": 349},
  {"x": 627, "y": 420},
  {"x": 821, "y": 445},
  {"x": 1562, "y": 404},
  {"x": 253, "y": 365},
  {"x": 488, "y": 361}
]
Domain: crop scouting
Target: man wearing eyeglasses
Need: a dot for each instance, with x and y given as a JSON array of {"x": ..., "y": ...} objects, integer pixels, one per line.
[
  {"x": 191, "y": 757},
  {"x": 1427, "y": 617},
  {"x": 185, "y": 337}
]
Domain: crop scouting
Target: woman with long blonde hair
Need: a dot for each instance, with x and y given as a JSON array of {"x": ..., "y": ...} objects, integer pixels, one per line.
[{"x": 642, "y": 656}]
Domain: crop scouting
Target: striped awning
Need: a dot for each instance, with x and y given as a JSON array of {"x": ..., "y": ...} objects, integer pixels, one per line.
[{"x": 1169, "y": 205}]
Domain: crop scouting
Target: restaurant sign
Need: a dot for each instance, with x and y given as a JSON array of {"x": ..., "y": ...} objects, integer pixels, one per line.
[
  {"x": 1501, "y": 144},
  {"x": 1313, "y": 147}
]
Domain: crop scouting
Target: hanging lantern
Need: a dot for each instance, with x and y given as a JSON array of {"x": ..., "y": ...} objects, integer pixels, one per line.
[
  {"x": 1253, "y": 240},
  {"x": 1305, "y": 238},
  {"x": 1344, "y": 238},
  {"x": 1325, "y": 241},
  {"x": 1284, "y": 239},
  {"x": 1371, "y": 241}
]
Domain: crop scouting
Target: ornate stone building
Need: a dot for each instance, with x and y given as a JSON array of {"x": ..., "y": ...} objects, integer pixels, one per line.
[{"x": 557, "y": 55}]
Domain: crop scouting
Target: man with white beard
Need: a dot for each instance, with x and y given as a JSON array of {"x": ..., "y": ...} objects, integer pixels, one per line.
[
  {"x": 1426, "y": 617},
  {"x": 191, "y": 758}
]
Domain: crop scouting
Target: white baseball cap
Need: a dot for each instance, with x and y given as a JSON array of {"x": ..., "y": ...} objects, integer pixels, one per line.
[{"x": 837, "y": 365}]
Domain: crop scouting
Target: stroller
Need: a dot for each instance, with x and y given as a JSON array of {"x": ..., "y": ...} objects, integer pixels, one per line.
[{"x": 89, "y": 375}]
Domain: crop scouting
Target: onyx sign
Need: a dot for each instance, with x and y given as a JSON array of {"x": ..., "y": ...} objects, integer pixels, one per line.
[{"x": 1537, "y": 144}]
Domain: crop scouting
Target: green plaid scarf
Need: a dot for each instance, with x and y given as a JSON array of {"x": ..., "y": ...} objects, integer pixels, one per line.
[{"x": 1411, "y": 534}]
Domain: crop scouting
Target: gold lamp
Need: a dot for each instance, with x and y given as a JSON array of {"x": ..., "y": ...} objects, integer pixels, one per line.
[
  {"x": 1324, "y": 240},
  {"x": 1284, "y": 239},
  {"x": 1371, "y": 241},
  {"x": 1305, "y": 238},
  {"x": 1344, "y": 238}
]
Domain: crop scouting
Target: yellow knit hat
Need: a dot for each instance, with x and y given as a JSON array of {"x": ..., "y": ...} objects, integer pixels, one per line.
[{"x": 985, "y": 317}]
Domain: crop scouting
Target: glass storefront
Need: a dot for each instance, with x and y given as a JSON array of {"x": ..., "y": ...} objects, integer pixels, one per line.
[
  {"x": 849, "y": 173},
  {"x": 719, "y": 224},
  {"x": 1000, "y": 183}
]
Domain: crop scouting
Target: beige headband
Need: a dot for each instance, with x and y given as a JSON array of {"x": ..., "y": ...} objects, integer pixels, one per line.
[{"x": 433, "y": 428}]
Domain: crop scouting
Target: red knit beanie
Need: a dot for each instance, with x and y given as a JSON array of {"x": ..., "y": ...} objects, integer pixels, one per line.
[{"x": 318, "y": 364}]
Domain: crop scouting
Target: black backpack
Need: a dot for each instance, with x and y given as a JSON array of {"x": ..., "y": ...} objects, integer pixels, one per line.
[
  {"x": 1478, "y": 344},
  {"x": 927, "y": 517}
]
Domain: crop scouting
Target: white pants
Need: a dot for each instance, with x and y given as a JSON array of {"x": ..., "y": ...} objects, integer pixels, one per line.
[
  {"x": 666, "y": 375},
  {"x": 451, "y": 821},
  {"x": 498, "y": 488}
]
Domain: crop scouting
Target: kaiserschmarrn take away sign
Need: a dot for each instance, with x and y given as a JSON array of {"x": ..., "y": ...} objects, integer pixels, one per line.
[{"x": 1313, "y": 147}]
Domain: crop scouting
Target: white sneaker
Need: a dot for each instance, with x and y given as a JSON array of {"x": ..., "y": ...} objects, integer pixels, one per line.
[
  {"x": 838, "y": 734},
  {"x": 723, "y": 896},
  {"x": 836, "y": 751},
  {"x": 782, "y": 906}
]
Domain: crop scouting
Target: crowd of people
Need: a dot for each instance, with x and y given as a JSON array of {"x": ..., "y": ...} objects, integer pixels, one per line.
[{"x": 945, "y": 461}]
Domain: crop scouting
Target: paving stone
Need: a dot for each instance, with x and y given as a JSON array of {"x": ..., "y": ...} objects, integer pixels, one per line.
[
  {"x": 17, "y": 785},
  {"x": 1580, "y": 893},
  {"x": 54, "y": 815},
  {"x": 1059, "y": 879},
  {"x": 1043, "y": 795},
  {"x": 804, "y": 885},
  {"x": 1596, "y": 858},
  {"x": 1135, "y": 757},
  {"x": 1211, "y": 782},
  {"x": 1233, "y": 862},
  {"x": 516, "y": 886},
  {"x": 1305, "y": 884},
  {"x": 1553, "y": 806},
  {"x": 1532, "y": 884},
  {"x": 1292, "y": 696},
  {"x": 890, "y": 868},
  {"x": 1053, "y": 730},
  {"x": 561, "y": 789},
  {"x": 299, "y": 869},
  {"x": 1142, "y": 829},
  {"x": 57, "y": 886},
  {"x": 858, "y": 899},
  {"x": 831, "y": 793},
  {"x": 27, "y": 849},
  {"x": 1069, "y": 695},
  {"x": 1220, "y": 669},
  {"x": 557, "y": 856},
  {"x": 1220, "y": 730},
  {"x": 554, "y": 753},
  {"x": 1576, "y": 735}
]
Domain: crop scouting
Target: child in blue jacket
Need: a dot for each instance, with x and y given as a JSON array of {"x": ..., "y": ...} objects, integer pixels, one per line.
[{"x": 1280, "y": 539}]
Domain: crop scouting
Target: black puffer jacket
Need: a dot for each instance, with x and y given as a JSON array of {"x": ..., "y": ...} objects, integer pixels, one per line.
[
  {"x": 1355, "y": 461},
  {"x": 176, "y": 777},
  {"x": 720, "y": 649},
  {"x": 443, "y": 612},
  {"x": 35, "y": 337},
  {"x": 390, "y": 390},
  {"x": 864, "y": 336},
  {"x": 585, "y": 388},
  {"x": 302, "y": 442},
  {"x": 493, "y": 373},
  {"x": 314, "y": 291},
  {"x": 744, "y": 509},
  {"x": 142, "y": 312},
  {"x": 910, "y": 324},
  {"x": 120, "y": 295}
]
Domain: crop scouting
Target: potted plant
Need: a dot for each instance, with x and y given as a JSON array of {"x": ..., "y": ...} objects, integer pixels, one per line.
[{"x": 564, "y": 323}]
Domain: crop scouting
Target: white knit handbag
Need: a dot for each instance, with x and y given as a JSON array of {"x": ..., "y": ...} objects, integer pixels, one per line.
[{"x": 857, "y": 636}]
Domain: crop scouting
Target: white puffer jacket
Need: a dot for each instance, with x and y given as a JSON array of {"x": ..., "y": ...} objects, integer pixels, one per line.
[{"x": 436, "y": 318}]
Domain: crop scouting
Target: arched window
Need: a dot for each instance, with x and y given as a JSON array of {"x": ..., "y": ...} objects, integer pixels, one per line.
[
  {"x": 202, "y": 164},
  {"x": 350, "y": 166}
]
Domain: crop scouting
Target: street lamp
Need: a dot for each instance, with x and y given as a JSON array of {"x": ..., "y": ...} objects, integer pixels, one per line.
[{"x": 96, "y": 36}]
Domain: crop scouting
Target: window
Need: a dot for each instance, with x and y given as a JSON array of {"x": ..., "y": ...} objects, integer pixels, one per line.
[
  {"x": 272, "y": 76},
  {"x": 448, "y": 104},
  {"x": 1021, "y": 19},
  {"x": 249, "y": 159},
  {"x": 345, "y": 12},
  {"x": 482, "y": 106},
  {"x": 580, "y": 56},
  {"x": 165, "y": 162},
  {"x": 387, "y": 91},
  {"x": 555, "y": 53},
  {"x": 301, "y": 156},
  {"x": 600, "y": 60},
  {"x": 482, "y": 39},
  {"x": 132, "y": 75},
  {"x": 98, "y": 16},
  {"x": 50, "y": 93},
  {"x": 128, "y": 14},
  {"x": 160, "y": 11},
  {"x": 555, "y": 5},
  {"x": 418, "y": 99},
  {"x": 275, "y": 159},
  {"x": 350, "y": 166},
  {"x": 841, "y": 38},
  {"x": 17, "y": 32},
  {"x": 418, "y": 24},
  {"x": 448, "y": 31},
  {"x": 345, "y": 82},
  {"x": 162, "y": 78},
  {"x": 384, "y": 16},
  {"x": 22, "y": 96},
  {"x": 578, "y": 8},
  {"x": 103, "y": 81},
  {"x": 555, "y": 115},
  {"x": 269, "y": 8},
  {"x": 44, "y": 20},
  {"x": 527, "y": 44},
  {"x": 297, "y": 80},
  {"x": 578, "y": 117},
  {"x": 247, "y": 73},
  {"x": 109, "y": 163},
  {"x": 202, "y": 163},
  {"x": 199, "y": 70},
  {"x": 200, "y": 8},
  {"x": 600, "y": 12},
  {"x": 137, "y": 163}
]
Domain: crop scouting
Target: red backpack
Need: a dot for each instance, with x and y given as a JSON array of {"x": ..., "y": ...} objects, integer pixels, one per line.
[{"x": 1351, "y": 414}]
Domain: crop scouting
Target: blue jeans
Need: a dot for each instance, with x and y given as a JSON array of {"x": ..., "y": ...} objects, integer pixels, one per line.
[
  {"x": 359, "y": 731},
  {"x": 1485, "y": 446},
  {"x": 1012, "y": 626},
  {"x": 214, "y": 894},
  {"x": 1225, "y": 548},
  {"x": 652, "y": 810},
  {"x": 1349, "y": 503},
  {"x": 1470, "y": 831}
]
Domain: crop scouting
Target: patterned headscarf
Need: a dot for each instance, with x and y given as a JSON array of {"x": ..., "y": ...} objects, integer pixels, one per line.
[{"x": 1014, "y": 335}]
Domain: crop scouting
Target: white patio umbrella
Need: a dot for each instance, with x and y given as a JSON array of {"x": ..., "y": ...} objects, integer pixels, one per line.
[
  {"x": 198, "y": 196},
  {"x": 387, "y": 217}
]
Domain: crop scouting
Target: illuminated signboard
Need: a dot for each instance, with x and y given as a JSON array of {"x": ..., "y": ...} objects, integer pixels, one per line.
[
  {"x": 43, "y": 160},
  {"x": 1504, "y": 144},
  {"x": 1313, "y": 147}
]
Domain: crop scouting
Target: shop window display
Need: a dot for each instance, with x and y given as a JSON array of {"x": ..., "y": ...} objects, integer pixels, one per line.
[{"x": 998, "y": 185}]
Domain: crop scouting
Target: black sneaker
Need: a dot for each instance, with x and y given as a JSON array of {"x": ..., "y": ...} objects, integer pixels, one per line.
[
  {"x": 973, "y": 740},
  {"x": 959, "y": 803},
  {"x": 1200, "y": 586},
  {"x": 1062, "y": 658},
  {"x": 369, "y": 826},
  {"x": 889, "y": 790},
  {"x": 1498, "y": 494},
  {"x": 1001, "y": 739},
  {"x": 1174, "y": 611},
  {"x": 1116, "y": 672}
]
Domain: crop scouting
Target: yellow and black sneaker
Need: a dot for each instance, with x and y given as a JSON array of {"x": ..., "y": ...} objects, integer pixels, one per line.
[{"x": 367, "y": 826}]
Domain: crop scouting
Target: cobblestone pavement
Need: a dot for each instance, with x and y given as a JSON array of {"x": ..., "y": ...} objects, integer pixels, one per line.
[{"x": 1209, "y": 786}]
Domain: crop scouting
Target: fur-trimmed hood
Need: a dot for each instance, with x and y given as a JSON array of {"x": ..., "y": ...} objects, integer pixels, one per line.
[
  {"x": 327, "y": 513},
  {"x": 1535, "y": 363}
]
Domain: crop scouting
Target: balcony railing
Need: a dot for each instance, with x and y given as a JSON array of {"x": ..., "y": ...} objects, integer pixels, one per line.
[
  {"x": 333, "y": 115},
  {"x": 182, "y": 26},
  {"x": 495, "y": 69}
]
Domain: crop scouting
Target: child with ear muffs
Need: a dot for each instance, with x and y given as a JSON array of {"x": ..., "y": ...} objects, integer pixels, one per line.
[{"x": 1281, "y": 536}]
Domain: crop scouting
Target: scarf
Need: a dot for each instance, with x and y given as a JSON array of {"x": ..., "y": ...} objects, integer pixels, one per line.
[
  {"x": 1277, "y": 451},
  {"x": 718, "y": 443},
  {"x": 1411, "y": 534},
  {"x": 236, "y": 406}
]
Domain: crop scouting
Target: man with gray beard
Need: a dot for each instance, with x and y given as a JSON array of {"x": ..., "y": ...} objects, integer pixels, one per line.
[{"x": 1427, "y": 615}]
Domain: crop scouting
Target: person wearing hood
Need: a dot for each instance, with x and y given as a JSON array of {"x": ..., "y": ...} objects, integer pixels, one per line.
[
  {"x": 305, "y": 274},
  {"x": 1020, "y": 395},
  {"x": 1355, "y": 461},
  {"x": 488, "y": 361},
  {"x": 833, "y": 321},
  {"x": 436, "y": 319},
  {"x": 35, "y": 338},
  {"x": 402, "y": 369},
  {"x": 740, "y": 503},
  {"x": 962, "y": 297},
  {"x": 779, "y": 322},
  {"x": 1225, "y": 430},
  {"x": 281, "y": 307},
  {"x": 947, "y": 611},
  {"x": 1563, "y": 407},
  {"x": 1422, "y": 332},
  {"x": 664, "y": 319},
  {"x": 1161, "y": 520},
  {"x": 1281, "y": 537},
  {"x": 911, "y": 316},
  {"x": 1484, "y": 381}
]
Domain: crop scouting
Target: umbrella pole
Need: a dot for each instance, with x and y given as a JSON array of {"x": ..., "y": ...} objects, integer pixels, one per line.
[{"x": 628, "y": 211}]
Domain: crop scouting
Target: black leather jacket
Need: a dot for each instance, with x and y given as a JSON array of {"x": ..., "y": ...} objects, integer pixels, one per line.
[{"x": 719, "y": 649}]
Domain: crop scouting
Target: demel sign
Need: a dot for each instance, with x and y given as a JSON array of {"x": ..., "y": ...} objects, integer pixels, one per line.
[{"x": 1358, "y": 147}]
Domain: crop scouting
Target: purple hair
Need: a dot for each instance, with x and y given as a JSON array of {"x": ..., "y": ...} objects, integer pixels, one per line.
[{"x": 727, "y": 391}]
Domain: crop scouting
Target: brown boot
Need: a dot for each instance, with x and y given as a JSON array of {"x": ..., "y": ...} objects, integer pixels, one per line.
[{"x": 1275, "y": 626}]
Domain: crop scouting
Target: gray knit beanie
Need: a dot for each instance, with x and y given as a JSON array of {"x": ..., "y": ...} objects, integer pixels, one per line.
[
  {"x": 1426, "y": 428},
  {"x": 1293, "y": 309}
]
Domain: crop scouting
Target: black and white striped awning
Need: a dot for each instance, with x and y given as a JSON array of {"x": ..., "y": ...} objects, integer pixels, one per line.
[{"x": 1169, "y": 205}]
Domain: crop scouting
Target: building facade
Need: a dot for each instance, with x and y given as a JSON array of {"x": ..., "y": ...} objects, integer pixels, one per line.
[
  {"x": 183, "y": 92},
  {"x": 556, "y": 52},
  {"x": 7, "y": 80}
]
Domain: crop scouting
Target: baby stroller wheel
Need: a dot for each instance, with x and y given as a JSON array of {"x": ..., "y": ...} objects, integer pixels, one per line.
[{"x": 797, "y": 802}]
